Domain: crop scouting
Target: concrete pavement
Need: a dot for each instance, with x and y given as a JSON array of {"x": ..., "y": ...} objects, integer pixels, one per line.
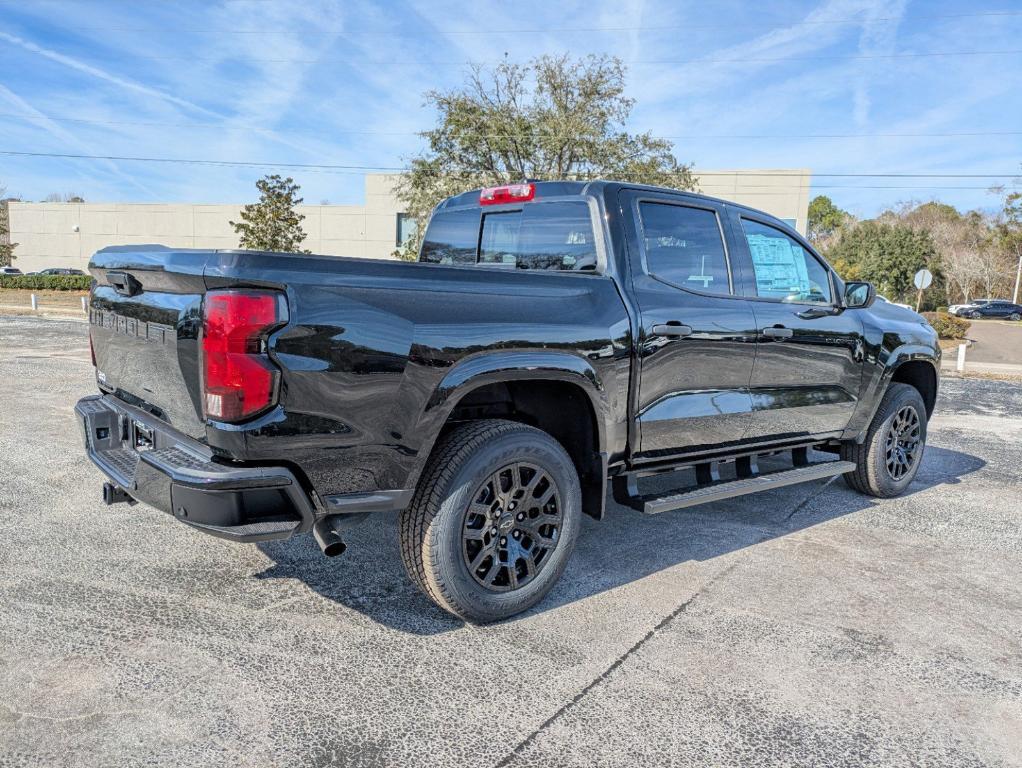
[{"x": 805, "y": 626}]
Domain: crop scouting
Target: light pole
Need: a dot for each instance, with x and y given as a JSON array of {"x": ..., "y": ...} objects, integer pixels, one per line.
[{"x": 1018, "y": 275}]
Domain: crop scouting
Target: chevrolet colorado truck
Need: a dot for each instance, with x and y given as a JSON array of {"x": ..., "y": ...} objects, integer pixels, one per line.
[{"x": 556, "y": 341}]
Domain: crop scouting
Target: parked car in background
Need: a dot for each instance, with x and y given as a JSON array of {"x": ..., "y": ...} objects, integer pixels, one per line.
[
  {"x": 959, "y": 310},
  {"x": 10, "y": 271},
  {"x": 996, "y": 308},
  {"x": 60, "y": 271},
  {"x": 555, "y": 341}
]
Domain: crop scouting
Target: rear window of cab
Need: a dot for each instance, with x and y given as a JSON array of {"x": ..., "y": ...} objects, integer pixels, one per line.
[{"x": 548, "y": 236}]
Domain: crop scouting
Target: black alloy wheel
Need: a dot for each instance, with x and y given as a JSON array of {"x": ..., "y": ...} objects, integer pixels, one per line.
[
  {"x": 511, "y": 527},
  {"x": 891, "y": 452},
  {"x": 495, "y": 516},
  {"x": 903, "y": 442}
]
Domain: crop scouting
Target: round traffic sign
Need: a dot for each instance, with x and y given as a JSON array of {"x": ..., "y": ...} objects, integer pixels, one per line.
[{"x": 923, "y": 279}]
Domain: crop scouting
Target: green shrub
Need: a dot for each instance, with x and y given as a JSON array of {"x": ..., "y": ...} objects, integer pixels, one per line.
[
  {"x": 942, "y": 309},
  {"x": 47, "y": 282},
  {"x": 948, "y": 326}
]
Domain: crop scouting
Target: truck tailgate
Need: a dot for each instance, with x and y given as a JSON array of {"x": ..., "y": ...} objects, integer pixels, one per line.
[{"x": 145, "y": 316}]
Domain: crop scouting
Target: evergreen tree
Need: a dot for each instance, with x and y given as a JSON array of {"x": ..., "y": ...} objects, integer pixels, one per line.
[{"x": 273, "y": 224}]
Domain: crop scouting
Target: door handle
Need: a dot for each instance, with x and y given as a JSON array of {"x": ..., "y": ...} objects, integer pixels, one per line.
[
  {"x": 778, "y": 332},
  {"x": 671, "y": 329}
]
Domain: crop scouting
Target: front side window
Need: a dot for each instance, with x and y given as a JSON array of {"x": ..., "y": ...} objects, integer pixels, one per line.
[
  {"x": 785, "y": 271},
  {"x": 684, "y": 246}
]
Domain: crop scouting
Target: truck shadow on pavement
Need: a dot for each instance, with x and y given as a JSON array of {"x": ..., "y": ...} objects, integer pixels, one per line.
[{"x": 622, "y": 548}]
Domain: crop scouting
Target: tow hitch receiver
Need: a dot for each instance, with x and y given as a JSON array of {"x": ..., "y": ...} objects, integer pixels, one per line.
[
  {"x": 114, "y": 494},
  {"x": 143, "y": 436}
]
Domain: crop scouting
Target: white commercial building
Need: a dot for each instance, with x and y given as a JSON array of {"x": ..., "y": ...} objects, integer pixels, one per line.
[{"x": 67, "y": 234}]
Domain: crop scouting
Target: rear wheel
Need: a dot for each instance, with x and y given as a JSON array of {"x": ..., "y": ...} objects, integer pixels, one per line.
[
  {"x": 493, "y": 520},
  {"x": 887, "y": 460},
  {"x": 1015, "y": 316}
]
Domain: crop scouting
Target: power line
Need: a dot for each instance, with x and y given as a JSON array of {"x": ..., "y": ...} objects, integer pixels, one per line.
[
  {"x": 399, "y": 169},
  {"x": 558, "y": 30},
  {"x": 314, "y": 167},
  {"x": 332, "y": 131},
  {"x": 636, "y": 62}
]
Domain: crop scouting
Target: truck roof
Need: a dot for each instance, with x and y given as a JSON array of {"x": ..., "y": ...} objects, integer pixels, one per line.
[{"x": 581, "y": 188}]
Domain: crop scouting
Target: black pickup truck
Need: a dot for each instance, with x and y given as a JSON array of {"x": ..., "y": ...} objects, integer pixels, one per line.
[{"x": 554, "y": 339}]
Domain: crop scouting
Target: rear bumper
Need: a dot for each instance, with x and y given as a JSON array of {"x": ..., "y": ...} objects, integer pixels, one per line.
[{"x": 160, "y": 467}]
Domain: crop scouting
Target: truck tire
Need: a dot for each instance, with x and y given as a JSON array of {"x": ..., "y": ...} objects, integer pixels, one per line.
[
  {"x": 887, "y": 460},
  {"x": 493, "y": 520}
]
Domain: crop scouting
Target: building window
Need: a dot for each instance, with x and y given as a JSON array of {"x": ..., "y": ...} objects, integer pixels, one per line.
[{"x": 406, "y": 228}]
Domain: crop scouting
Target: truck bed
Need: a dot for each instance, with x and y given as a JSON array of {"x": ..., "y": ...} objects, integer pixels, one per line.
[{"x": 363, "y": 358}]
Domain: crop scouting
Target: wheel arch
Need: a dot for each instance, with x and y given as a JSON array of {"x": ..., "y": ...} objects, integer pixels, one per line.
[
  {"x": 557, "y": 392},
  {"x": 920, "y": 373},
  {"x": 917, "y": 365}
]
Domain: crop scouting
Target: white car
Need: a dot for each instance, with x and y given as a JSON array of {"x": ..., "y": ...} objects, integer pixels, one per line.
[
  {"x": 960, "y": 309},
  {"x": 9, "y": 271}
]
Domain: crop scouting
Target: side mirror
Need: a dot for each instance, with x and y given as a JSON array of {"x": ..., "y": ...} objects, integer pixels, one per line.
[{"x": 859, "y": 295}]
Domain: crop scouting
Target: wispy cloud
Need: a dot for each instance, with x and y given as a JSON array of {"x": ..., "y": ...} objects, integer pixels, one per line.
[
  {"x": 101, "y": 74},
  {"x": 342, "y": 82},
  {"x": 878, "y": 37},
  {"x": 36, "y": 117}
]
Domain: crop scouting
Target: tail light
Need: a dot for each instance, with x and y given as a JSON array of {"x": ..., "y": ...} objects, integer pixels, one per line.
[
  {"x": 238, "y": 378},
  {"x": 511, "y": 193}
]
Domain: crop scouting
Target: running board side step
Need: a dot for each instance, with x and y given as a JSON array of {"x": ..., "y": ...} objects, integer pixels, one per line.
[{"x": 730, "y": 489}]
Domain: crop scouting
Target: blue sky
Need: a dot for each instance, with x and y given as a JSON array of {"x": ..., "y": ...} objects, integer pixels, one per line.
[{"x": 341, "y": 83}]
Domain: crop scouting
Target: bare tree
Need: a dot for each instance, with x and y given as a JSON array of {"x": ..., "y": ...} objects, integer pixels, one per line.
[
  {"x": 968, "y": 254},
  {"x": 67, "y": 197}
]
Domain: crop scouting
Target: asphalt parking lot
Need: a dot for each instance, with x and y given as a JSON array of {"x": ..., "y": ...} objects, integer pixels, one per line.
[
  {"x": 995, "y": 341},
  {"x": 805, "y": 626}
]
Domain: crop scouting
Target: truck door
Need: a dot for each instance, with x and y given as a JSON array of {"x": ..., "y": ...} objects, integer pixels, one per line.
[
  {"x": 696, "y": 340},
  {"x": 809, "y": 359}
]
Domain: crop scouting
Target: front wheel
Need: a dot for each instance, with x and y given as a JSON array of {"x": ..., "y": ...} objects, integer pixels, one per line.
[
  {"x": 493, "y": 520},
  {"x": 887, "y": 460}
]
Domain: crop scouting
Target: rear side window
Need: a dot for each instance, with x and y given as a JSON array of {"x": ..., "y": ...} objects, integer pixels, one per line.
[
  {"x": 451, "y": 237},
  {"x": 684, "y": 246},
  {"x": 540, "y": 236},
  {"x": 785, "y": 271}
]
